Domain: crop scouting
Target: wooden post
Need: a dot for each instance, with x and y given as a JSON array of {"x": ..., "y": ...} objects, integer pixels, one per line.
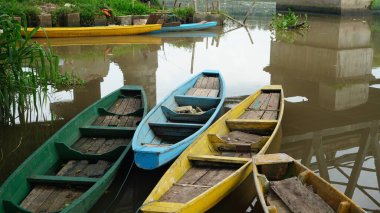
[
  {"x": 175, "y": 2},
  {"x": 195, "y": 5},
  {"x": 192, "y": 59}
]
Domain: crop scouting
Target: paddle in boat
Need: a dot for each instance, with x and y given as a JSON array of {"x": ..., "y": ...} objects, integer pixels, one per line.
[
  {"x": 285, "y": 185},
  {"x": 187, "y": 27},
  {"x": 65, "y": 32},
  {"x": 73, "y": 168},
  {"x": 221, "y": 158},
  {"x": 174, "y": 123}
]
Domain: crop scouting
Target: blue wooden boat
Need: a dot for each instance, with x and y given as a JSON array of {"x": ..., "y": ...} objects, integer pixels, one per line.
[
  {"x": 187, "y": 27},
  {"x": 164, "y": 133}
]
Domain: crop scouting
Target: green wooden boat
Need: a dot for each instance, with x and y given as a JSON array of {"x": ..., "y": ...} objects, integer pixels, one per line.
[{"x": 73, "y": 168}]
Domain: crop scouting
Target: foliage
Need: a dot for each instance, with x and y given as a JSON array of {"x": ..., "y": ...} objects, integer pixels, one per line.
[
  {"x": 87, "y": 14},
  {"x": 375, "y": 5},
  {"x": 59, "y": 14},
  {"x": 122, "y": 7},
  {"x": 288, "y": 36},
  {"x": 184, "y": 13},
  {"x": 288, "y": 21},
  {"x": 26, "y": 70},
  {"x": 16, "y": 8}
]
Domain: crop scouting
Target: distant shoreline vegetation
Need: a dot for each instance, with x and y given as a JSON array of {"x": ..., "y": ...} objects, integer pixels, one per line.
[{"x": 88, "y": 9}]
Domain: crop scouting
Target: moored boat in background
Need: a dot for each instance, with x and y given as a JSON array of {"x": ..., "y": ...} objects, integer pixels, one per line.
[{"x": 66, "y": 32}]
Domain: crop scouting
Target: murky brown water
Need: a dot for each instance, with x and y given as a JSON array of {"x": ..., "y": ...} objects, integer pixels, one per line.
[{"x": 330, "y": 75}]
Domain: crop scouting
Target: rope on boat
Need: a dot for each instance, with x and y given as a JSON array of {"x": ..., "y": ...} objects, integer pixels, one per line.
[{"x": 121, "y": 187}]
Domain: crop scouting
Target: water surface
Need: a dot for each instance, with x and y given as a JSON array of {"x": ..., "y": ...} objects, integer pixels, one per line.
[{"x": 330, "y": 76}]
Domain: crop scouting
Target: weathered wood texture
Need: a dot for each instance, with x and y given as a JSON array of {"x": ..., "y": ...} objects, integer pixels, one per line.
[
  {"x": 84, "y": 168},
  {"x": 45, "y": 198},
  {"x": 121, "y": 107},
  {"x": 99, "y": 145},
  {"x": 195, "y": 182},
  {"x": 206, "y": 87},
  {"x": 298, "y": 197},
  {"x": 241, "y": 137},
  {"x": 265, "y": 107}
]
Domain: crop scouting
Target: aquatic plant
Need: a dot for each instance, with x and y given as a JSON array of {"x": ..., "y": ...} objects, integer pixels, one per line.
[
  {"x": 288, "y": 21},
  {"x": 26, "y": 70}
]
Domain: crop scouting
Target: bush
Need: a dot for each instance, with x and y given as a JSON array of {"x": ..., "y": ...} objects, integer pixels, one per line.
[
  {"x": 14, "y": 8},
  {"x": 58, "y": 15},
  {"x": 375, "y": 5},
  {"x": 184, "y": 14},
  {"x": 122, "y": 7},
  {"x": 87, "y": 14}
]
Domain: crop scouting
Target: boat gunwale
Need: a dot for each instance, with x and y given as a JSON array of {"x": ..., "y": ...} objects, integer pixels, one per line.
[
  {"x": 261, "y": 193},
  {"x": 51, "y": 141},
  {"x": 136, "y": 146},
  {"x": 212, "y": 189},
  {"x": 183, "y": 157}
]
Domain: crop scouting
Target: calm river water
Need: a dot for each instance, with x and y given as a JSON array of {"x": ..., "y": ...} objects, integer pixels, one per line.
[{"x": 330, "y": 75}]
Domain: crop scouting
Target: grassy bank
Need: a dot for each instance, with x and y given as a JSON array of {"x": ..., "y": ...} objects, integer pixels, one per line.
[{"x": 88, "y": 9}]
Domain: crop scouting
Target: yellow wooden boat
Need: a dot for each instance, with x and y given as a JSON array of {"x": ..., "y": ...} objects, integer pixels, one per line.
[
  {"x": 64, "y": 32},
  {"x": 217, "y": 162},
  {"x": 284, "y": 185}
]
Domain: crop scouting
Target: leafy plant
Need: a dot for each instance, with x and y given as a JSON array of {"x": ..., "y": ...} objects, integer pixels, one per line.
[
  {"x": 122, "y": 7},
  {"x": 59, "y": 14},
  {"x": 288, "y": 21},
  {"x": 185, "y": 14},
  {"x": 26, "y": 70},
  {"x": 87, "y": 14}
]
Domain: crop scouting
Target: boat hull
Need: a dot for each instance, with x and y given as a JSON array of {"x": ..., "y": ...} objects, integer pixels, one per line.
[
  {"x": 37, "y": 168},
  {"x": 66, "y": 32},
  {"x": 187, "y": 27},
  {"x": 150, "y": 152},
  {"x": 204, "y": 151}
]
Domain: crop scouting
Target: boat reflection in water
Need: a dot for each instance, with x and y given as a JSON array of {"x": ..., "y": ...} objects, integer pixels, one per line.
[{"x": 336, "y": 131}]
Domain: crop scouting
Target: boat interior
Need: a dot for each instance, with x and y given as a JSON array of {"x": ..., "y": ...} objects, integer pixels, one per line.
[
  {"x": 84, "y": 151},
  {"x": 205, "y": 172},
  {"x": 248, "y": 130},
  {"x": 289, "y": 186},
  {"x": 168, "y": 126}
]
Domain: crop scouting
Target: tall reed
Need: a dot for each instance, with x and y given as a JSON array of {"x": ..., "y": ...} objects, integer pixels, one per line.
[{"x": 26, "y": 70}]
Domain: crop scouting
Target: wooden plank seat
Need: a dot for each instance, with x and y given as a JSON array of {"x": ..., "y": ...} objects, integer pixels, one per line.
[
  {"x": 238, "y": 141},
  {"x": 202, "y": 92},
  {"x": 257, "y": 126},
  {"x": 187, "y": 117},
  {"x": 205, "y": 103},
  {"x": 265, "y": 107},
  {"x": 49, "y": 198},
  {"x": 174, "y": 131},
  {"x": 123, "y": 105},
  {"x": 99, "y": 145},
  {"x": 205, "y": 86}
]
